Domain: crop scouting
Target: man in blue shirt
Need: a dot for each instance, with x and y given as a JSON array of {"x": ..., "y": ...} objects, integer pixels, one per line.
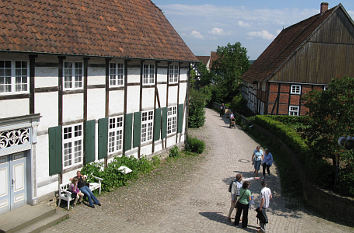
[{"x": 267, "y": 161}]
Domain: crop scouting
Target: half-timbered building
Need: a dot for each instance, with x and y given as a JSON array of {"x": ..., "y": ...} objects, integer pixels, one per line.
[
  {"x": 303, "y": 57},
  {"x": 84, "y": 81}
]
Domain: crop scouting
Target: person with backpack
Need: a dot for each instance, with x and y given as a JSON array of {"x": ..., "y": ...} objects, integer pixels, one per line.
[
  {"x": 266, "y": 196},
  {"x": 222, "y": 109},
  {"x": 234, "y": 188}
]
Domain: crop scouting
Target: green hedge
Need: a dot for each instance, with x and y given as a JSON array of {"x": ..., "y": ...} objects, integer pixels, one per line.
[{"x": 288, "y": 135}]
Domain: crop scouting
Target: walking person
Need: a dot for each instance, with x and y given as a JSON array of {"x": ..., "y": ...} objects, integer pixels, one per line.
[
  {"x": 236, "y": 185},
  {"x": 257, "y": 158},
  {"x": 222, "y": 109},
  {"x": 267, "y": 161},
  {"x": 242, "y": 205},
  {"x": 266, "y": 196},
  {"x": 83, "y": 186}
]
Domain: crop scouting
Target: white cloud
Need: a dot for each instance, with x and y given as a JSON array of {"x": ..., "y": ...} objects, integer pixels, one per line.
[
  {"x": 243, "y": 24},
  {"x": 351, "y": 13},
  {"x": 197, "y": 34},
  {"x": 217, "y": 31},
  {"x": 264, "y": 34}
]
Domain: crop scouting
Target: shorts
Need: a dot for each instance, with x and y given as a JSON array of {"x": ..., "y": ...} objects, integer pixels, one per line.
[{"x": 257, "y": 165}]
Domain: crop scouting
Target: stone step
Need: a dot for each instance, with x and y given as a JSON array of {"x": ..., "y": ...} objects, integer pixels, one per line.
[
  {"x": 45, "y": 223},
  {"x": 24, "y": 216}
]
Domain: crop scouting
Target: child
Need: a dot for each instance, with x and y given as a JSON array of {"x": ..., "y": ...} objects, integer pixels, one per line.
[{"x": 75, "y": 191}]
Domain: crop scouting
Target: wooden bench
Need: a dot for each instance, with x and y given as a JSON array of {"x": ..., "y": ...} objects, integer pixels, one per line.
[{"x": 65, "y": 194}]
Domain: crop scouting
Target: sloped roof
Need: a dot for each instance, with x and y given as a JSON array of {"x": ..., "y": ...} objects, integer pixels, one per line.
[
  {"x": 283, "y": 46},
  {"x": 203, "y": 59},
  {"x": 213, "y": 57},
  {"x": 116, "y": 28}
]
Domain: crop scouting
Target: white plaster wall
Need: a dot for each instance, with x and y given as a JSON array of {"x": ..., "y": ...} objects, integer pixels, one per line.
[
  {"x": 132, "y": 153},
  {"x": 46, "y": 104},
  {"x": 50, "y": 188},
  {"x": 146, "y": 150},
  {"x": 148, "y": 98},
  {"x": 133, "y": 97},
  {"x": 172, "y": 95},
  {"x": 96, "y": 76},
  {"x": 162, "y": 89},
  {"x": 72, "y": 107},
  {"x": 116, "y": 102},
  {"x": 183, "y": 74},
  {"x": 162, "y": 75},
  {"x": 46, "y": 77},
  {"x": 182, "y": 92},
  {"x": 158, "y": 146},
  {"x": 68, "y": 175},
  {"x": 133, "y": 74},
  {"x": 96, "y": 103},
  {"x": 171, "y": 141},
  {"x": 13, "y": 108},
  {"x": 42, "y": 158}
]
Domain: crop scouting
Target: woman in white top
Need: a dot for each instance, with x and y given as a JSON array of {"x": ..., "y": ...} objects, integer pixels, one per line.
[{"x": 235, "y": 191}]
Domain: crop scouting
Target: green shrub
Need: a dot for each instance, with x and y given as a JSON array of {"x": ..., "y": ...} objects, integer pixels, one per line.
[
  {"x": 112, "y": 178},
  {"x": 195, "y": 145},
  {"x": 174, "y": 151},
  {"x": 196, "y": 116}
]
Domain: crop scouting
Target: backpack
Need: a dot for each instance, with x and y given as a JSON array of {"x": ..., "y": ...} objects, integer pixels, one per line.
[
  {"x": 230, "y": 186},
  {"x": 261, "y": 216}
]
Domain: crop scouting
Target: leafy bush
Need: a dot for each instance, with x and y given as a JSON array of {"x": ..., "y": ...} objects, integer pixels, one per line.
[
  {"x": 239, "y": 105},
  {"x": 113, "y": 178},
  {"x": 195, "y": 145},
  {"x": 196, "y": 116},
  {"x": 174, "y": 151}
]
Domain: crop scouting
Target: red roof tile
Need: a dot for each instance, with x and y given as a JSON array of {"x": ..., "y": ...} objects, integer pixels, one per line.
[
  {"x": 203, "y": 59},
  {"x": 116, "y": 28},
  {"x": 282, "y": 47}
]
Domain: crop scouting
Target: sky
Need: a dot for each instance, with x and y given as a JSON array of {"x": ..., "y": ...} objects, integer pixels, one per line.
[{"x": 205, "y": 25}]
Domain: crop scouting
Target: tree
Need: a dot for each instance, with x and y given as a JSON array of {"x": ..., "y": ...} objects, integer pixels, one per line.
[
  {"x": 330, "y": 117},
  {"x": 232, "y": 62}
]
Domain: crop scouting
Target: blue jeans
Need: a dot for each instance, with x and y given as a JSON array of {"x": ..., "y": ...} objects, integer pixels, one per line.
[{"x": 87, "y": 191}]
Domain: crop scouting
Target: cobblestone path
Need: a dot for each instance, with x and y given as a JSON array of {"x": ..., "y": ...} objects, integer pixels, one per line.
[{"x": 194, "y": 197}]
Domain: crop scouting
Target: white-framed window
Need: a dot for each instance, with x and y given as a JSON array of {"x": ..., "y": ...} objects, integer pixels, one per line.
[
  {"x": 295, "y": 89},
  {"x": 14, "y": 77},
  {"x": 116, "y": 74},
  {"x": 172, "y": 120},
  {"x": 72, "y": 145},
  {"x": 173, "y": 72},
  {"x": 115, "y": 134},
  {"x": 148, "y": 74},
  {"x": 73, "y": 75},
  {"x": 293, "y": 110},
  {"x": 147, "y": 119}
]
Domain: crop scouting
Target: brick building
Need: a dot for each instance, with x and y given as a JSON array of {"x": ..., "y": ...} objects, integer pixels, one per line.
[{"x": 303, "y": 57}]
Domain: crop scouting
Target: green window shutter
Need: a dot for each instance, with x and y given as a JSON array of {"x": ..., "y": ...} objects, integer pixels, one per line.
[
  {"x": 90, "y": 141},
  {"x": 157, "y": 124},
  {"x": 164, "y": 123},
  {"x": 128, "y": 120},
  {"x": 55, "y": 150},
  {"x": 102, "y": 138},
  {"x": 137, "y": 129},
  {"x": 180, "y": 118}
]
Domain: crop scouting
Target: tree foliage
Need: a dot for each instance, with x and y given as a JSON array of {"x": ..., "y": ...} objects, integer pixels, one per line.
[
  {"x": 330, "y": 117},
  {"x": 232, "y": 62}
]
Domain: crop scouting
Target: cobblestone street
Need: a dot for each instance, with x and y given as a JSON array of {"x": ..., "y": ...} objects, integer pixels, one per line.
[{"x": 195, "y": 197}]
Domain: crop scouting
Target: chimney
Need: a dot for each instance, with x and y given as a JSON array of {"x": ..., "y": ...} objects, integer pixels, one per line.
[{"x": 324, "y": 7}]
